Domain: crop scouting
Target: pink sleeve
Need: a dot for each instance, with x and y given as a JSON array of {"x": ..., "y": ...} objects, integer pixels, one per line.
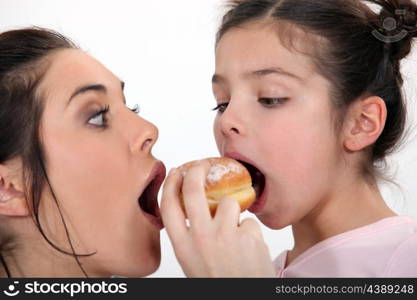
[{"x": 403, "y": 263}]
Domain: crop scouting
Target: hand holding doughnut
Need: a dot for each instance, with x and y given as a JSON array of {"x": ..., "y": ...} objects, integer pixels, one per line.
[
  {"x": 206, "y": 245},
  {"x": 227, "y": 178}
]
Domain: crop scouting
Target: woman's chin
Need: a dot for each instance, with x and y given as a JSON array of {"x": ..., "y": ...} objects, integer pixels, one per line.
[
  {"x": 140, "y": 270},
  {"x": 137, "y": 263},
  {"x": 146, "y": 266}
]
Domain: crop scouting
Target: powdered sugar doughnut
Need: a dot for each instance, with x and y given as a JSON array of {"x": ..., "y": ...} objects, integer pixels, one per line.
[{"x": 226, "y": 178}]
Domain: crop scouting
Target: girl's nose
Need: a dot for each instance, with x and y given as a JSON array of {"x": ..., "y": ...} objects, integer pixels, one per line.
[{"x": 232, "y": 121}]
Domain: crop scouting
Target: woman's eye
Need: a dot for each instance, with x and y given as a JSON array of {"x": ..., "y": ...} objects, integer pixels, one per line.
[
  {"x": 99, "y": 118},
  {"x": 270, "y": 102},
  {"x": 221, "y": 108}
]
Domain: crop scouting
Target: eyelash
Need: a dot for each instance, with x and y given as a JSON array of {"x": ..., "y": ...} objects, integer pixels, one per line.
[
  {"x": 135, "y": 109},
  {"x": 103, "y": 112},
  {"x": 264, "y": 101},
  {"x": 276, "y": 101},
  {"x": 220, "y": 107}
]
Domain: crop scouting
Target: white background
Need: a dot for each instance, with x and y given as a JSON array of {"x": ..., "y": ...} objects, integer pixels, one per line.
[{"x": 164, "y": 51}]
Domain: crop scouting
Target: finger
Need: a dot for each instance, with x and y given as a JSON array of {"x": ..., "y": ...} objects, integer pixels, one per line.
[
  {"x": 171, "y": 211},
  {"x": 251, "y": 226},
  {"x": 227, "y": 214},
  {"x": 194, "y": 195}
]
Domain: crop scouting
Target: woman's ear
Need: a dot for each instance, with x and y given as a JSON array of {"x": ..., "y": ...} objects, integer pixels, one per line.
[
  {"x": 364, "y": 123},
  {"x": 12, "y": 199}
]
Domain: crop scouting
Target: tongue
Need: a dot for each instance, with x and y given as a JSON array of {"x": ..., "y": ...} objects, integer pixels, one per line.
[{"x": 145, "y": 201}]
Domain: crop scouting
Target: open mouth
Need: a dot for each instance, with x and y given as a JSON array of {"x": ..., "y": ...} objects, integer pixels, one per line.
[
  {"x": 148, "y": 201},
  {"x": 258, "y": 179}
]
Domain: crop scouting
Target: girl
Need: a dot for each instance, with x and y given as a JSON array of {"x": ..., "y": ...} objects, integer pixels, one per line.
[
  {"x": 309, "y": 97},
  {"x": 78, "y": 182}
]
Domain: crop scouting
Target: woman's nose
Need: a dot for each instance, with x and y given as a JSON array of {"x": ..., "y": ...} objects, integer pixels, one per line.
[{"x": 145, "y": 136}]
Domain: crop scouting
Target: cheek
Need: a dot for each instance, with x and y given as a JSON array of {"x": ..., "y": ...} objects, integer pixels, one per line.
[
  {"x": 217, "y": 134},
  {"x": 81, "y": 163},
  {"x": 300, "y": 149},
  {"x": 86, "y": 175}
]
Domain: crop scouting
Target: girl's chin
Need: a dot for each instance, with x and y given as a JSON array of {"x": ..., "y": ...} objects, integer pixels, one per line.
[{"x": 274, "y": 221}]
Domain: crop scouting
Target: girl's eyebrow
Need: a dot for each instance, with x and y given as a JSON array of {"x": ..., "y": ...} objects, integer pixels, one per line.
[
  {"x": 275, "y": 71},
  {"x": 217, "y": 78}
]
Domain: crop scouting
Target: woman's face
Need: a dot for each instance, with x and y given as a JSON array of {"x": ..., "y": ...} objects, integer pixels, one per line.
[
  {"x": 99, "y": 162},
  {"x": 277, "y": 116}
]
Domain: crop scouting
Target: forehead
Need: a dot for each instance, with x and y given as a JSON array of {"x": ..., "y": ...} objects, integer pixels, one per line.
[
  {"x": 260, "y": 45},
  {"x": 70, "y": 68}
]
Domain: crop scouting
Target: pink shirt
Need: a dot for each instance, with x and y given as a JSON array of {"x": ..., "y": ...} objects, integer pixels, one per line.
[{"x": 387, "y": 248}]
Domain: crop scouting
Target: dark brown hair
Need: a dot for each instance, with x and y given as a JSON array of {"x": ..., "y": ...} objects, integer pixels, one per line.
[
  {"x": 358, "y": 49},
  {"x": 23, "y": 64}
]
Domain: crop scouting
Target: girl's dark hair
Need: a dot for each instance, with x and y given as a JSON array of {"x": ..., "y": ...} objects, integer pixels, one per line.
[
  {"x": 358, "y": 49},
  {"x": 23, "y": 63}
]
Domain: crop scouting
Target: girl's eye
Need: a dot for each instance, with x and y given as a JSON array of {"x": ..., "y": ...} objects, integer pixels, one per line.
[
  {"x": 135, "y": 109},
  {"x": 221, "y": 108},
  {"x": 99, "y": 118},
  {"x": 271, "y": 102}
]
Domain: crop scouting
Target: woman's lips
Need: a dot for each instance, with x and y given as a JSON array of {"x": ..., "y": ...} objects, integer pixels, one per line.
[{"x": 148, "y": 201}]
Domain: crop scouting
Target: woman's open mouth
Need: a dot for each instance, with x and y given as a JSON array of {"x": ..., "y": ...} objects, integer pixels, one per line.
[
  {"x": 148, "y": 201},
  {"x": 258, "y": 181}
]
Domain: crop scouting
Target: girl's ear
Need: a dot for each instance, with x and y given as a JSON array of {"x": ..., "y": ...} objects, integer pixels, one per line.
[
  {"x": 364, "y": 123},
  {"x": 12, "y": 199}
]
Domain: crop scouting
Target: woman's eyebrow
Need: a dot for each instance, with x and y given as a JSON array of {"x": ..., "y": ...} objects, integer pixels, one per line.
[
  {"x": 91, "y": 87},
  {"x": 86, "y": 88}
]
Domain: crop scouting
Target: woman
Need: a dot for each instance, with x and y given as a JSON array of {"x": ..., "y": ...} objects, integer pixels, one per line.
[{"x": 78, "y": 182}]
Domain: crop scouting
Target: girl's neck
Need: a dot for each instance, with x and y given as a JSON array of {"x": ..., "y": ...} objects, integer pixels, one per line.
[{"x": 349, "y": 206}]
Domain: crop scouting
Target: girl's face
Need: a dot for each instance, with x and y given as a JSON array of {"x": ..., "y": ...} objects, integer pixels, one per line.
[
  {"x": 275, "y": 113},
  {"x": 99, "y": 163}
]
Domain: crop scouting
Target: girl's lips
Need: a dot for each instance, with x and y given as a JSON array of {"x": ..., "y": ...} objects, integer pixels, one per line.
[
  {"x": 258, "y": 180},
  {"x": 259, "y": 203},
  {"x": 148, "y": 201}
]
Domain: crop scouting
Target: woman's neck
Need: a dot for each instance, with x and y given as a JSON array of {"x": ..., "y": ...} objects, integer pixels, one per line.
[
  {"x": 350, "y": 205},
  {"x": 34, "y": 257}
]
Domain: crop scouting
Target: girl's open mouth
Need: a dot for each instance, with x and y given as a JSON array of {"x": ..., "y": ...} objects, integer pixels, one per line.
[{"x": 258, "y": 181}]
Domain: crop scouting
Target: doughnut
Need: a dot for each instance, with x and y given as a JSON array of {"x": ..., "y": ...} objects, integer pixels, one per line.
[{"x": 226, "y": 178}]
